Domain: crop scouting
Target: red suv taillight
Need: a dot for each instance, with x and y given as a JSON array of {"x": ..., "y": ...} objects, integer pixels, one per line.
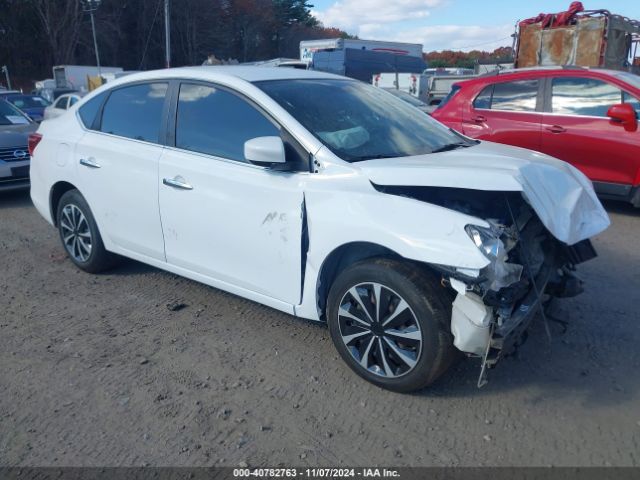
[{"x": 34, "y": 140}]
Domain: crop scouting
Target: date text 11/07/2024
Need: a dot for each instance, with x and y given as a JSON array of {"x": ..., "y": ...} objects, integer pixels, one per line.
[{"x": 315, "y": 472}]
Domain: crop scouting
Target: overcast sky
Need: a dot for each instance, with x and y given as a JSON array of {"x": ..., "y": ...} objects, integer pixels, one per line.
[{"x": 447, "y": 24}]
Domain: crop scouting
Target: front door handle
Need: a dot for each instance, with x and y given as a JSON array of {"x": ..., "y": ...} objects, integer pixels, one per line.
[
  {"x": 556, "y": 129},
  {"x": 89, "y": 162},
  {"x": 177, "y": 182}
]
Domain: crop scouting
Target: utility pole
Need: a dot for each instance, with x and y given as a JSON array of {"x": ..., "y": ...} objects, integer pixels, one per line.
[
  {"x": 91, "y": 6},
  {"x": 5, "y": 69},
  {"x": 167, "y": 35}
]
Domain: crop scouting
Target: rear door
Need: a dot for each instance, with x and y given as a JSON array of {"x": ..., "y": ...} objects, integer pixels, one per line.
[
  {"x": 117, "y": 162},
  {"x": 576, "y": 129},
  {"x": 507, "y": 112}
]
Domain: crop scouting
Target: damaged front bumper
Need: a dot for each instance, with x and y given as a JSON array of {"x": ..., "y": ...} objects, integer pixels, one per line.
[{"x": 492, "y": 324}]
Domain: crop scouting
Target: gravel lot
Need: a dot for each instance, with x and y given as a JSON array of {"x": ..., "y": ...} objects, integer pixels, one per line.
[{"x": 96, "y": 370}]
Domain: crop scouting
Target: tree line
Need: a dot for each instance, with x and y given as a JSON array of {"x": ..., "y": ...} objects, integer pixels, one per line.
[
  {"x": 453, "y": 58},
  {"x": 38, "y": 34}
]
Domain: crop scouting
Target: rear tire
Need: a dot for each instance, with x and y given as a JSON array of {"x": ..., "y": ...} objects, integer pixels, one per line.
[
  {"x": 80, "y": 235},
  {"x": 389, "y": 321}
]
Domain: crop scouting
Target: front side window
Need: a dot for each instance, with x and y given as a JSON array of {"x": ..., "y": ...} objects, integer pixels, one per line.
[
  {"x": 633, "y": 101},
  {"x": 135, "y": 112},
  {"x": 583, "y": 96},
  {"x": 359, "y": 122},
  {"x": 216, "y": 122}
]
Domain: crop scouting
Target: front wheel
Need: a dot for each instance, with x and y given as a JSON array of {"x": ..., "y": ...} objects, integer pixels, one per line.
[
  {"x": 388, "y": 321},
  {"x": 80, "y": 236}
]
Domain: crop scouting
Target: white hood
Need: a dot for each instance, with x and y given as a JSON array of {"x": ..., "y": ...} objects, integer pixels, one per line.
[{"x": 562, "y": 196}]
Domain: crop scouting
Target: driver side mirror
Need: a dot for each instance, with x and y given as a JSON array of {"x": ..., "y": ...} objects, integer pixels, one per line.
[
  {"x": 264, "y": 151},
  {"x": 625, "y": 115}
]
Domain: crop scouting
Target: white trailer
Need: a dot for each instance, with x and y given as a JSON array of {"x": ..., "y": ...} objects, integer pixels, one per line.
[
  {"x": 412, "y": 83},
  {"x": 440, "y": 86},
  {"x": 75, "y": 76},
  {"x": 308, "y": 47}
]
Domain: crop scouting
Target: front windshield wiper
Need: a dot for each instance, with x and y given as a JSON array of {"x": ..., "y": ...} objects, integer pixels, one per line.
[
  {"x": 372, "y": 157},
  {"x": 450, "y": 146}
]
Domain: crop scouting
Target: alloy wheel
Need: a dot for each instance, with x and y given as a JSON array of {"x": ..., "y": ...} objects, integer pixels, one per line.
[
  {"x": 380, "y": 330},
  {"x": 76, "y": 234}
]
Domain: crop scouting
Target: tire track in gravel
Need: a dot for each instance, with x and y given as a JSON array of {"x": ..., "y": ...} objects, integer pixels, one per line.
[{"x": 97, "y": 371}]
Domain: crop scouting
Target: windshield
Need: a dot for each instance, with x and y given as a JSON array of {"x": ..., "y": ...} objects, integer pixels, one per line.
[
  {"x": 10, "y": 115},
  {"x": 407, "y": 97},
  {"x": 357, "y": 121},
  {"x": 28, "y": 101}
]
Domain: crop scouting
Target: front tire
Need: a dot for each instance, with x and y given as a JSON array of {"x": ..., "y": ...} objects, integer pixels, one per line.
[
  {"x": 80, "y": 235},
  {"x": 388, "y": 321}
]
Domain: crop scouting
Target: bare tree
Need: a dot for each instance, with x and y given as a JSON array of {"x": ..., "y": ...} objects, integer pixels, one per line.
[{"x": 61, "y": 21}]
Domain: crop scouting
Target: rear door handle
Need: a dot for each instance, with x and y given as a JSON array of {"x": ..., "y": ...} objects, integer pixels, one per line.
[
  {"x": 89, "y": 162},
  {"x": 177, "y": 182},
  {"x": 556, "y": 129},
  {"x": 479, "y": 119}
]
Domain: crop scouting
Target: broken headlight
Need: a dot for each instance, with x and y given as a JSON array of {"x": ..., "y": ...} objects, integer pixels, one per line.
[
  {"x": 486, "y": 240},
  {"x": 499, "y": 272}
]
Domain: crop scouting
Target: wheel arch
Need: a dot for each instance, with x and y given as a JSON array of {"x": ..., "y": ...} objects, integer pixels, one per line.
[
  {"x": 343, "y": 257},
  {"x": 57, "y": 190}
]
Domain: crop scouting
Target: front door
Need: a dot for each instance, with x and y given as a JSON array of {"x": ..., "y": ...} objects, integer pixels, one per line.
[
  {"x": 222, "y": 217},
  {"x": 576, "y": 129}
]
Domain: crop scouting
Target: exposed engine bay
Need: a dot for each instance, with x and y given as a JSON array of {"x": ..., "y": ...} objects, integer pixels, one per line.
[{"x": 528, "y": 267}]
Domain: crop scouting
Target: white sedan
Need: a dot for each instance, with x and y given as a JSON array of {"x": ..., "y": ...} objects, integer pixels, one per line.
[
  {"x": 325, "y": 198},
  {"x": 61, "y": 105}
]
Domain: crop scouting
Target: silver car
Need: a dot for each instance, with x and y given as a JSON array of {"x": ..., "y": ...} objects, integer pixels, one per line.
[{"x": 15, "y": 128}]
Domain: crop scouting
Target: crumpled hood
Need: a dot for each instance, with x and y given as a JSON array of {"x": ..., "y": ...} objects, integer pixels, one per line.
[{"x": 561, "y": 195}]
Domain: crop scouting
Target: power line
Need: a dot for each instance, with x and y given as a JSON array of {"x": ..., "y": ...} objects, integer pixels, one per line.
[
  {"x": 153, "y": 23},
  {"x": 485, "y": 43}
]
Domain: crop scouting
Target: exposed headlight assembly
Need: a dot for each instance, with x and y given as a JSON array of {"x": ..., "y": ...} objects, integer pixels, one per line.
[{"x": 499, "y": 272}]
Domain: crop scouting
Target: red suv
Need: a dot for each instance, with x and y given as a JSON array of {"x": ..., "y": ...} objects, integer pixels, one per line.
[{"x": 586, "y": 117}]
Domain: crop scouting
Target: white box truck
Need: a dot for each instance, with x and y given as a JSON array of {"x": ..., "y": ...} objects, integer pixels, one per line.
[
  {"x": 308, "y": 47},
  {"x": 75, "y": 76}
]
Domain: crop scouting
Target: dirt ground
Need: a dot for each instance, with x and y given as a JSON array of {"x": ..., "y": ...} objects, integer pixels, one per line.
[{"x": 95, "y": 370}]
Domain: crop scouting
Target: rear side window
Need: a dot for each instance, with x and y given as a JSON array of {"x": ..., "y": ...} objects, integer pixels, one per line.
[
  {"x": 518, "y": 96},
  {"x": 455, "y": 89},
  {"x": 583, "y": 96},
  {"x": 484, "y": 99},
  {"x": 217, "y": 122},
  {"x": 61, "y": 103},
  {"x": 135, "y": 112},
  {"x": 90, "y": 109}
]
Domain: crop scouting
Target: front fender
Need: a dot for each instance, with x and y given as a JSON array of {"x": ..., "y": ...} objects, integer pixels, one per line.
[{"x": 411, "y": 228}]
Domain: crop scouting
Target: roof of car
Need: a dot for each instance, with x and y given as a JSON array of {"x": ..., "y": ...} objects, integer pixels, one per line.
[
  {"x": 540, "y": 71},
  {"x": 248, "y": 73}
]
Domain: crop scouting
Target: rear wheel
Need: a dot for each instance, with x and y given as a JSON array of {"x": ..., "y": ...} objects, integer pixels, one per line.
[
  {"x": 80, "y": 236},
  {"x": 387, "y": 320}
]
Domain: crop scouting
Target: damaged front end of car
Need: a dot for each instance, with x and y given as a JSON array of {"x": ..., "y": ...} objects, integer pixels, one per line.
[{"x": 528, "y": 266}]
